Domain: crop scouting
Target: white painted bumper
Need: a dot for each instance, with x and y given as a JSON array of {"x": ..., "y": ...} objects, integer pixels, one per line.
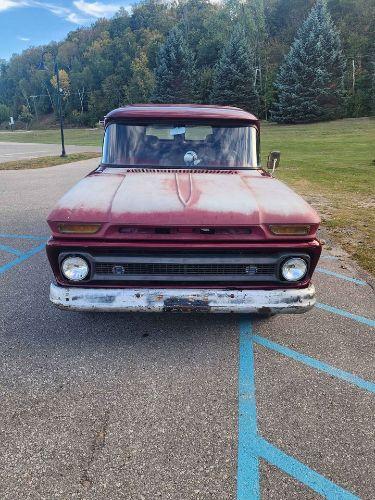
[{"x": 183, "y": 300}]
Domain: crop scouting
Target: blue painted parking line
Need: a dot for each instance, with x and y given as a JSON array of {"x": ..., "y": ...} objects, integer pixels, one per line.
[
  {"x": 301, "y": 472},
  {"x": 23, "y": 236},
  {"x": 340, "y": 276},
  {"x": 346, "y": 314},
  {"x": 251, "y": 446},
  {"x": 248, "y": 463},
  {"x": 14, "y": 251},
  {"x": 21, "y": 258},
  {"x": 314, "y": 363}
]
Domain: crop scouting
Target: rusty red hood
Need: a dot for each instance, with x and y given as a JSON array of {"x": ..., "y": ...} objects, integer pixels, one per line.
[{"x": 157, "y": 197}]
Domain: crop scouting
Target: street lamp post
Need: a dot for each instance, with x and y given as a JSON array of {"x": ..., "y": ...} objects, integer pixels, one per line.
[{"x": 63, "y": 153}]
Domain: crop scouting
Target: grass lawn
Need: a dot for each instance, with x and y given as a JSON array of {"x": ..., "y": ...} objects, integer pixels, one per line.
[
  {"x": 73, "y": 136},
  {"x": 332, "y": 165},
  {"x": 46, "y": 161}
]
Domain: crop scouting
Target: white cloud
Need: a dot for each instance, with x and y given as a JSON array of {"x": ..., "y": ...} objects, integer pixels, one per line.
[
  {"x": 11, "y": 4},
  {"x": 91, "y": 10},
  {"x": 97, "y": 9},
  {"x": 23, "y": 39},
  {"x": 59, "y": 11},
  {"x": 75, "y": 18}
]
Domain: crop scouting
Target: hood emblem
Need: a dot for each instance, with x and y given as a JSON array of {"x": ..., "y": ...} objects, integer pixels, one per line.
[{"x": 183, "y": 199}]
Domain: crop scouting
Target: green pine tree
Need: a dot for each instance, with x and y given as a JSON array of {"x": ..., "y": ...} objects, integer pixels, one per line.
[
  {"x": 310, "y": 83},
  {"x": 234, "y": 76},
  {"x": 175, "y": 74}
]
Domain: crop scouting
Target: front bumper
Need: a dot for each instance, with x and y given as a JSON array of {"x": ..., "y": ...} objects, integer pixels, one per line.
[{"x": 183, "y": 300}]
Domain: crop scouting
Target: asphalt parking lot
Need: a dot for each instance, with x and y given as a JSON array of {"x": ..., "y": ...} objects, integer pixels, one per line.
[
  {"x": 10, "y": 151},
  {"x": 170, "y": 406}
]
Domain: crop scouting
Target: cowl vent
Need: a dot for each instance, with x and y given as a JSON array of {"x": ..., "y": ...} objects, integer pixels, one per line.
[{"x": 179, "y": 171}]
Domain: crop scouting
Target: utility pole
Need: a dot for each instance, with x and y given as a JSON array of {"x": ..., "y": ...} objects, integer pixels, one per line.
[{"x": 63, "y": 154}]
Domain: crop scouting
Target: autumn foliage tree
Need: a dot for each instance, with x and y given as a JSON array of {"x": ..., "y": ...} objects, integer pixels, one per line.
[
  {"x": 125, "y": 59},
  {"x": 142, "y": 81}
]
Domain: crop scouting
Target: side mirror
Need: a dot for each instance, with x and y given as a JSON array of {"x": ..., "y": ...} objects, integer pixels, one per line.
[{"x": 273, "y": 160}]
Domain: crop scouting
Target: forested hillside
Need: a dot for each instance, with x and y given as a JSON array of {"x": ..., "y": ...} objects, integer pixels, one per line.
[{"x": 126, "y": 59}]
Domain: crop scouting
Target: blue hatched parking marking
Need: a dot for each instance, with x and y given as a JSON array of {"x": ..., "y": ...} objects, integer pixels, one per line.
[
  {"x": 346, "y": 314},
  {"x": 251, "y": 446},
  {"x": 23, "y": 237},
  {"x": 21, "y": 258},
  {"x": 248, "y": 463},
  {"x": 340, "y": 276},
  {"x": 314, "y": 363},
  {"x": 301, "y": 472},
  {"x": 12, "y": 250}
]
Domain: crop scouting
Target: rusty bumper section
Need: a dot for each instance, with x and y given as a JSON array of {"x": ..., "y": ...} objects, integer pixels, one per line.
[{"x": 183, "y": 300}]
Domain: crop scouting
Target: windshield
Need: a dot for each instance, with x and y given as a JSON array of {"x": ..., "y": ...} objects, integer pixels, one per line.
[{"x": 180, "y": 145}]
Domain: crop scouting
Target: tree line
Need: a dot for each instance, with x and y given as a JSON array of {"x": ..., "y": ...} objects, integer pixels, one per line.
[{"x": 290, "y": 61}]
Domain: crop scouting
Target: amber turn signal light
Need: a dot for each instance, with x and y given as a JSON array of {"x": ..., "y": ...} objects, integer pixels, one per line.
[
  {"x": 290, "y": 230},
  {"x": 79, "y": 228}
]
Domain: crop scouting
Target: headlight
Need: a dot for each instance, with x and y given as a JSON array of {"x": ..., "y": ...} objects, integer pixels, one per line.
[
  {"x": 74, "y": 268},
  {"x": 294, "y": 269}
]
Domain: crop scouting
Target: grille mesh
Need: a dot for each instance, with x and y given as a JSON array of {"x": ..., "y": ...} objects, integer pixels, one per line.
[{"x": 145, "y": 268}]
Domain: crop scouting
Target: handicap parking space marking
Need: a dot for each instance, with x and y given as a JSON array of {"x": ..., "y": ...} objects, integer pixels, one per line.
[
  {"x": 251, "y": 446},
  {"x": 301, "y": 472},
  {"x": 248, "y": 462},
  {"x": 23, "y": 237},
  {"x": 315, "y": 363},
  {"x": 21, "y": 255},
  {"x": 14, "y": 251},
  {"x": 346, "y": 314},
  {"x": 21, "y": 258},
  {"x": 340, "y": 276}
]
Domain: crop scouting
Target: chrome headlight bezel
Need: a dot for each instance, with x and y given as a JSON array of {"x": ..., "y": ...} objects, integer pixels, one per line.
[
  {"x": 74, "y": 268},
  {"x": 294, "y": 269}
]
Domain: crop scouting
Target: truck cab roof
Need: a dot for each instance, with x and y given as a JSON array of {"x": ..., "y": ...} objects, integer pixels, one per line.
[{"x": 181, "y": 111}]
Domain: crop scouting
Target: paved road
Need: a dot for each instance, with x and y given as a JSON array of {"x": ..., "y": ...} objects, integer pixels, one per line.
[
  {"x": 10, "y": 151},
  {"x": 138, "y": 406}
]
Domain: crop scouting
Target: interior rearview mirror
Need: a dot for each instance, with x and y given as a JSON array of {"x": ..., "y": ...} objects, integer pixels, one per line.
[{"x": 273, "y": 160}]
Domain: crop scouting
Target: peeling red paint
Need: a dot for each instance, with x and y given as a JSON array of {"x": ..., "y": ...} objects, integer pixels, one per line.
[
  {"x": 156, "y": 210},
  {"x": 153, "y": 199}
]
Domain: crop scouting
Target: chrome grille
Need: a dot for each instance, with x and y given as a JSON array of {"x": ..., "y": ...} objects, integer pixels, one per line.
[
  {"x": 203, "y": 269},
  {"x": 175, "y": 266}
]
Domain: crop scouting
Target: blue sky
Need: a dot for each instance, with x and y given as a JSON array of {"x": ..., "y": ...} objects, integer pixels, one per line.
[{"x": 24, "y": 23}]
